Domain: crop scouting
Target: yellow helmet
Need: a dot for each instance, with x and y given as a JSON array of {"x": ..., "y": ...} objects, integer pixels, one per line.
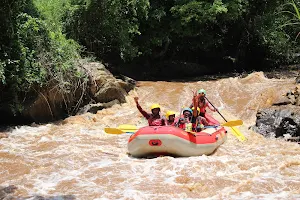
[
  {"x": 197, "y": 109},
  {"x": 155, "y": 106},
  {"x": 169, "y": 113}
]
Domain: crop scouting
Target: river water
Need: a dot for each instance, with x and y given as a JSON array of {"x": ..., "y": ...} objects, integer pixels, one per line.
[{"x": 75, "y": 159}]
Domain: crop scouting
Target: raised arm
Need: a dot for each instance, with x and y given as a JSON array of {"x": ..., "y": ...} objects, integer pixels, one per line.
[{"x": 143, "y": 112}]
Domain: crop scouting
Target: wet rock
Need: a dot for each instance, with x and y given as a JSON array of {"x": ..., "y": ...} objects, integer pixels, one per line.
[
  {"x": 5, "y": 192},
  {"x": 93, "y": 108},
  {"x": 104, "y": 87},
  {"x": 78, "y": 119},
  {"x": 293, "y": 96},
  {"x": 3, "y": 135},
  {"x": 282, "y": 119},
  {"x": 51, "y": 104},
  {"x": 287, "y": 128},
  {"x": 62, "y": 197},
  {"x": 281, "y": 100},
  {"x": 297, "y": 80},
  {"x": 279, "y": 121},
  {"x": 110, "y": 92},
  {"x": 126, "y": 83},
  {"x": 290, "y": 97}
]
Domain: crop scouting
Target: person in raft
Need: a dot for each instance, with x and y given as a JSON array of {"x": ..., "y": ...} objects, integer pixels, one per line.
[
  {"x": 200, "y": 119},
  {"x": 170, "y": 115},
  {"x": 202, "y": 103},
  {"x": 189, "y": 121},
  {"x": 154, "y": 118}
]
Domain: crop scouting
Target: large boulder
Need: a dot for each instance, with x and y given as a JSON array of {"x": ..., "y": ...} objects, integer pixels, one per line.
[
  {"x": 282, "y": 119},
  {"x": 278, "y": 121},
  {"x": 102, "y": 90},
  {"x": 94, "y": 107},
  {"x": 104, "y": 87},
  {"x": 48, "y": 105}
]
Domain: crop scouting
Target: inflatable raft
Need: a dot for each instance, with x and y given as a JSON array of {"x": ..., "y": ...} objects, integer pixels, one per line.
[{"x": 170, "y": 140}]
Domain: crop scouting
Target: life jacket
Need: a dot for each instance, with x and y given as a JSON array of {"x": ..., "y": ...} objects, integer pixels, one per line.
[
  {"x": 170, "y": 123},
  {"x": 156, "y": 121},
  {"x": 202, "y": 106},
  {"x": 183, "y": 125}
]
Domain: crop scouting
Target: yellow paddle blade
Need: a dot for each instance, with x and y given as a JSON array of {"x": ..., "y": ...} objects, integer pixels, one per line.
[
  {"x": 236, "y": 132},
  {"x": 113, "y": 131},
  {"x": 128, "y": 128},
  {"x": 233, "y": 123}
]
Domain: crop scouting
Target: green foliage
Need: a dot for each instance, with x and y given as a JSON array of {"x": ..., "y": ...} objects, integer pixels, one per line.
[
  {"x": 189, "y": 27},
  {"x": 276, "y": 33},
  {"x": 34, "y": 53},
  {"x": 198, "y": 12},
  {"x": 53, "y": 11},
  {"x": 172, "y": 29},
  {"x": 207, "y": 21},
  {"x": 33, "y": 41},
  {"x": 107, "y": 27},
  {"x": 291, "y": 12},
  {"x": 38, "y": 38}
]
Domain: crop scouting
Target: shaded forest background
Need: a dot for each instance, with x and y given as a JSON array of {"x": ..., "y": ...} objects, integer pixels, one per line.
[{"x": 42, "y": 42}]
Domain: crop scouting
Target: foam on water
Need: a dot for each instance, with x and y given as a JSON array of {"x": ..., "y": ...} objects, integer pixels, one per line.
[{"x": 77, "y": 158}]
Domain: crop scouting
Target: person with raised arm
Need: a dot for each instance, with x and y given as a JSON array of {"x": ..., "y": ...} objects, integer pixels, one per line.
[{"x": 154, "y": 118}]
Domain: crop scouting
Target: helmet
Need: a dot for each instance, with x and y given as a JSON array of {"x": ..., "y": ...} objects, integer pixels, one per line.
[
  {"x": 187, "y": 109},
  {"x": 155, "y": 106},
  {"x": 201, "y": 91},
  {"x": 169, "y": 113},
  {"x": 197, "y": 109}
]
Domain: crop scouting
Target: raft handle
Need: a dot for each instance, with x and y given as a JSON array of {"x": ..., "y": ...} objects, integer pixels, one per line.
[{"x": 155, "y": 142}]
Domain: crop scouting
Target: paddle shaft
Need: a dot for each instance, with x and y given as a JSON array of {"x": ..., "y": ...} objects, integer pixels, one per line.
[
  {"x": 216, "y": 109},
  {"x": 177, "y": 124},
  {"x": 238, "y": 133}
]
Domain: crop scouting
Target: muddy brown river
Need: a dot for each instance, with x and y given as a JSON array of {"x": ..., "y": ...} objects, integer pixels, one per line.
[{"x": 76, "y": 159}]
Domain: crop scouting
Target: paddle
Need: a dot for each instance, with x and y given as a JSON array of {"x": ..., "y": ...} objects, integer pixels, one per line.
[
  {"x": 113, "y": 131},
  {"x": 128, "y": 128},
  {"x": 124, "y": 128},
  {"x": 233, "y": 123},
  {"x": 236, "y": 132}
]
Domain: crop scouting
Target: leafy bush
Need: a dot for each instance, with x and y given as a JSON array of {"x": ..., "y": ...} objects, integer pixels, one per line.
[
  {"x": 249, "y": 32},
  {"x": 107, "y": 28},
  {"x": 37, "y": 56}
]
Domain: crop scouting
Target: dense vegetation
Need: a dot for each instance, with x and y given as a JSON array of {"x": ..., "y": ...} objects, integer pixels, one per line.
[
  {"x": 248, "y": 33},
  {"x": 34, "y": 54},
  {"x": 41, "y": 41}
]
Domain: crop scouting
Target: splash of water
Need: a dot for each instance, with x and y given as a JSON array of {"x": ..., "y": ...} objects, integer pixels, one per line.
[{"x": 77, "y": 160}]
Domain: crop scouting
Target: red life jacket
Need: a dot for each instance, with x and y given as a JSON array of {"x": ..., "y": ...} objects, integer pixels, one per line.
[
  {"x": 202, "y": 106},
  {"x": 170, "y": 123},
  {"x": 156, "y": 122}
]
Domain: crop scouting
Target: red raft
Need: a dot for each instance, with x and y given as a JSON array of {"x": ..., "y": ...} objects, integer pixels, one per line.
[{"x": 170, "y": 140}]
